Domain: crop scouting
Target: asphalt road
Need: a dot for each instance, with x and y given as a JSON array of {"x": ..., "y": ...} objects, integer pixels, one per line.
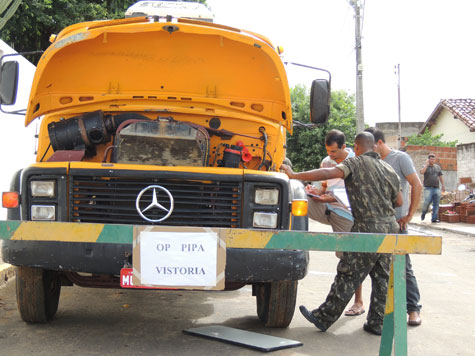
[{"x": 125, "y": 322}]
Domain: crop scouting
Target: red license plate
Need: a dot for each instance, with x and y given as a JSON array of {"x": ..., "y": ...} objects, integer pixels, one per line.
[{"x": 126, "y": 280}]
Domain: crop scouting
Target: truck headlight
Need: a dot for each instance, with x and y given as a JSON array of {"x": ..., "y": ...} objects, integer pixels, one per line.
[
  {"x": 42, "y": 188},
  {"x": 265, "y": 220},
  {"x": 267, "y": 196},
  {"x": 43, "y": 212}
]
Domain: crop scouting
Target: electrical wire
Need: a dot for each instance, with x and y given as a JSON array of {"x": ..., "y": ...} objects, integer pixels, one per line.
[
  {"x": 298, "y": 123},
  {"x": 47, "y": 149},
  {"x": 264, "y": 137}
]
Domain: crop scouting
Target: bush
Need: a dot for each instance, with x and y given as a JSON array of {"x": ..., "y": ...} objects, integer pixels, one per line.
[{"x": 426, "y": 139}]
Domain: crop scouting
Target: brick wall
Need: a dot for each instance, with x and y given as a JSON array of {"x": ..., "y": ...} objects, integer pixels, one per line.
[{"x": 446, "y": 158}]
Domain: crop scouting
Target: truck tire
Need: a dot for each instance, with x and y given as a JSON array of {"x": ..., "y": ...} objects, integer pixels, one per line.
[
  {"x": 37, "y": 293},
  {"x": 276, "y": 303}
]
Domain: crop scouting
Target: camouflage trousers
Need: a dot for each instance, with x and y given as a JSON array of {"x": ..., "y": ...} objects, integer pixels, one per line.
[{"x": 351, "y": 272}]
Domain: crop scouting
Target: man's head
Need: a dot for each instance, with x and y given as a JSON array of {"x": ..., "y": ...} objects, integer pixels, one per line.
[
  {"x": 431, "y": 159},
  {"x": 364, "y": 142},
  {"x": 335, "y": 145},
  {"x": 379, "y": 139},
  {"x": 377, "y": 134}
]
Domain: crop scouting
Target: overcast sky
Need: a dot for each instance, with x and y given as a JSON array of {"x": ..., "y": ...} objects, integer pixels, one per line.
[{"x": 432, "y": 40}]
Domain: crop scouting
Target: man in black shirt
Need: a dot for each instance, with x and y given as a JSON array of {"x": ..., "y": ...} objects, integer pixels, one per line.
[{"x": 432, "y": 193}]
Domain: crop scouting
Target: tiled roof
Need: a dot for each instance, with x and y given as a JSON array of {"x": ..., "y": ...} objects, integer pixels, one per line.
[{"x": 462, "y": 109}]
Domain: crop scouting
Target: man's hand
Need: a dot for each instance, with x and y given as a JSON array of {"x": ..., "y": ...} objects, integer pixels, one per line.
[
  {"x": 287, "y": 170},
  {"x": 404, "y": 221},
  {"x": 310, "y": 189},
  {"x": 324, "y": 198}
]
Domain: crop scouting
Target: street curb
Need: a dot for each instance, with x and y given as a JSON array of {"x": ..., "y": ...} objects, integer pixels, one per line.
[
  {"x": 7, "y": 272},
  {"x": 440, "y": 228}
]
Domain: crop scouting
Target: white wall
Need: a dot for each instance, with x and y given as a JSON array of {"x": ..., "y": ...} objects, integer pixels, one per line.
[
  {"x": 17, "y": 143},
  {"x": 466, "y": 161},
  {"x": 453, "y": 129}
]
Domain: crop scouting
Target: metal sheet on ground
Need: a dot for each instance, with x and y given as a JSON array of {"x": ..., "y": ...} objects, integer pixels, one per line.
[{"x": 244, "y": 338}]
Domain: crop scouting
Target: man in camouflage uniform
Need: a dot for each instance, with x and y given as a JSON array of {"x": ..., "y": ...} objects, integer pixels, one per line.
[{"x": 373, "y": 191}]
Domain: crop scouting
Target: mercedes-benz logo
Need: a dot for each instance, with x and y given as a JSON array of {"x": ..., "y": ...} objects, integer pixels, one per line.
[{"x": 154, "y": 204}]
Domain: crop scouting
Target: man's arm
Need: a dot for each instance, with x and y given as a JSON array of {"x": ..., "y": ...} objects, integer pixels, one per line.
[
  {"x": 416, "y": 188},
  {"x": 441, "y": 178},
  {"x": 399, "y": 199},
  {"x": 313, "y": 175},
  {"x": 424, "y": 168}
]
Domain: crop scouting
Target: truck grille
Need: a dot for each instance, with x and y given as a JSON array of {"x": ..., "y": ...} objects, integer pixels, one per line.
[{"x": 211, "y": 203}]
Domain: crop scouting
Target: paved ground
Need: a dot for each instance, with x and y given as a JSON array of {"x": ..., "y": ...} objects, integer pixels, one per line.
[
  {"x": 124, "y": 322},
  {"x": 460, "y": 228}
]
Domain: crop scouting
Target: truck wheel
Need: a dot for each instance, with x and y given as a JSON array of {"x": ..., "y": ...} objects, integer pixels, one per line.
[
  {"x": 276, "y": 303},
  {"x": 37, "y": 294}
]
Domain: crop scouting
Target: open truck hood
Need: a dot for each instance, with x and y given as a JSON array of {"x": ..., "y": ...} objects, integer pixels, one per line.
[{"x": 159, "y": 66}]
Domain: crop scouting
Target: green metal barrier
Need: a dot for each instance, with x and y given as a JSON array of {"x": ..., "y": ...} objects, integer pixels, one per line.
[{"x": 394, "y": 327}]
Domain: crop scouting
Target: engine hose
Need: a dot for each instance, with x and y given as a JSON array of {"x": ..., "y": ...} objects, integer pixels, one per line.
[
  {"x": 112, "y": 123},
  {"x": 123, "y": 124},
  {"x": 264, "y": 138},
  {"x": 87, "y": 130},
  {"x": 106, "y": 152}
]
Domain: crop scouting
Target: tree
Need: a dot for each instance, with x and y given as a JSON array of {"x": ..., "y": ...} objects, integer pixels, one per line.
[
  {"x": 9, "y": 8},
  {"x": 426, "y": 139},
  {"x": 34, "y": 21},
  {"x": 32, "y": 24},
  {"x": 306, "y": 147}
]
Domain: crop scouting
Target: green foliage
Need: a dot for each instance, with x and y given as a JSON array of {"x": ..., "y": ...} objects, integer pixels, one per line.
[
  {"x": 7, "y": 10},
  {"x": 426, "y": 139},
  {"x": 35, "y": 20},
  {"x": 306, "y": 147}
]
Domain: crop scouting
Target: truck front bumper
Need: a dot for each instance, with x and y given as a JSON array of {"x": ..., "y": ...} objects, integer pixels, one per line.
[{"x": 34, "y": 246}]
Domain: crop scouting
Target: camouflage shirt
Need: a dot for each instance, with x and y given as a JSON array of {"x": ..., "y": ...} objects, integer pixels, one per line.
[{"x": 372, "y": 186}]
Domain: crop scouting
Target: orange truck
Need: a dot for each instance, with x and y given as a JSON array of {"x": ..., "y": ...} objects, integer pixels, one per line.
[{"x": 171, "y": 125}]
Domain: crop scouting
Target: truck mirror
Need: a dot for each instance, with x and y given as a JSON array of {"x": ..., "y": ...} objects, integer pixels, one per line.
[
  {"x": 8, "y": 83},
  {"x": 319, "y": 101}
]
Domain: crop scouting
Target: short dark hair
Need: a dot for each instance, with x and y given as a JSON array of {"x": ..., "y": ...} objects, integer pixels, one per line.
[
  {"x": 335, "y": 136},
  {"x": 431, "y": 155},
  {"x": 377, "y": 133},
  {"x": 365, "y": 139}
]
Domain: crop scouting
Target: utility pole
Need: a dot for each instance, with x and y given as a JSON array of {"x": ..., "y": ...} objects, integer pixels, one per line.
[
  {"x": 398, "y": 74},
  {"x": 359, "y": 67}
]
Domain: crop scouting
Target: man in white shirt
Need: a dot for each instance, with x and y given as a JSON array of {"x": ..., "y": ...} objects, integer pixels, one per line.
[{"x": 329, "y": 205}]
